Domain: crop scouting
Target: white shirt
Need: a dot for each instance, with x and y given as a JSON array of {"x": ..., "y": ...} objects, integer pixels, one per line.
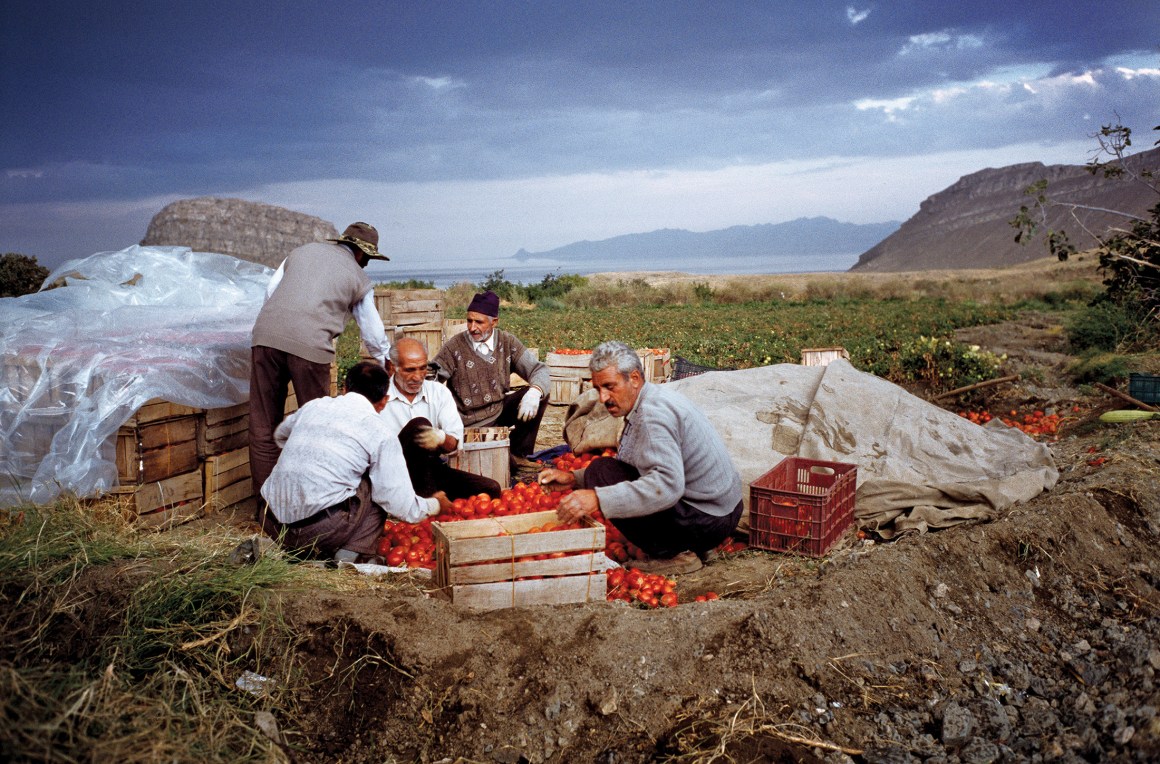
[
  {"x": 327, "y": 446},
  {"x": 434, "y": 401},
  {"x": 366, "y": 315},
  {"x": 487, "y": 347}
]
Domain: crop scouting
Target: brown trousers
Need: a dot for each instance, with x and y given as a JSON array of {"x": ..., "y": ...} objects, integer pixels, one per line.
[
  {"x": 355, "y": 524},
  {"x": 271, "y": 372}
]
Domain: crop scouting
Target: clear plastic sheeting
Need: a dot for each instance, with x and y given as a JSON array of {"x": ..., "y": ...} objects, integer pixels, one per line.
[{"x": 106, "y": 334}]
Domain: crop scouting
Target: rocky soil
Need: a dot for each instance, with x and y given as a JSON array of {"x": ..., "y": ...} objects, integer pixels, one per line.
[{"x": 1032, "y": 638}]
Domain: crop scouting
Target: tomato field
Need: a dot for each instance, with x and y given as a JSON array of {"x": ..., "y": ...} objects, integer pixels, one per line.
[{"x": 757, "y": 334}]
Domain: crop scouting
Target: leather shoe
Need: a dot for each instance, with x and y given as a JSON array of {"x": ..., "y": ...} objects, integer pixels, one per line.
[{"x": 683, "y": 562}]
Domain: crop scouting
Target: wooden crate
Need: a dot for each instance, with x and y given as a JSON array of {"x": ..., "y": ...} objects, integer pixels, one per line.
[
  {"x": 656, "y": 362},
  {"x": 429, "y": 334},
  {"x": 226, "y": 429},
  {"x": 565, "y": 390},
  {"x": 491, "y": 563},
  {"x": 452, "y": 327},
  {"x": 170, "y": 501},
  {"x": 157, "y": 410},
  {"x": 823, "y": 356},
  {"x": 484, "y": 451},
  {"x": 149, "y": 450},
  {"x": 409, "y": 307},
  {"x": 569, "y": 366},
  {"x": 227, "y": 479}
]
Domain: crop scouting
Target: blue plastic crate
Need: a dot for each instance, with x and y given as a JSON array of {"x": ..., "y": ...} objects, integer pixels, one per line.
[{"x": 1144, "y": 387}]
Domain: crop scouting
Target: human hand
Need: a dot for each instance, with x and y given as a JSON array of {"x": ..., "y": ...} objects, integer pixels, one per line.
[
  {"x": 576, "y": 505},
  {"x": 444, "y": 502},
  {"x": 529, "y": 405},
  {"x": 558, "y": 478},
  {"x": 430, "y": 438}
]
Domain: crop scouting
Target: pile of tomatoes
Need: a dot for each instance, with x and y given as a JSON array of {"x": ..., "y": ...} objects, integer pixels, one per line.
[
  {"x": 636, "y": 587},
  {"x": 572, "y": 351},
  {"x": 571, "y": 461},
  {"x": 1034, "y": 423}
]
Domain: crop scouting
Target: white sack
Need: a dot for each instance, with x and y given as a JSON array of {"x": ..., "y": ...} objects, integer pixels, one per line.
[
  {"x": 919, "y": 466},
  {"x": 77, "y": 361}
]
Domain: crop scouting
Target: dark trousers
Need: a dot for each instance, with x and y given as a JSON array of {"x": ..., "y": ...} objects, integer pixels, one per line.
[
  {"x": 666, "y": 533},
  {"x": 522, "y": 439},
  {"x": 429, "y": 473},
  {"x": 355, "y": 524},
  {"x": 271, "y": 371}
]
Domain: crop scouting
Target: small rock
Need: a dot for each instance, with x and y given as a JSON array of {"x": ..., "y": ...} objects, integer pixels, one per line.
[
  {"x": 940, "y": 591},
  {"x": 609, "y": 703},
  {"x": 1154, "y": 659},
  {"x": 1032, "y": 624},
  {"x": 957, "y": 724},
  {"x": 1081, "y": 647},
  {"x": 979, "y": 751},
  {"x": 967, "y": 667},
  {"x": 1124, "y": 734}
]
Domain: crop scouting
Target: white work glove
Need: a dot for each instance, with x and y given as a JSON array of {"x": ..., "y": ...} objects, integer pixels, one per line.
[
  {"x": 430, "y": 438},
  {"x": 529, "y": 404}
]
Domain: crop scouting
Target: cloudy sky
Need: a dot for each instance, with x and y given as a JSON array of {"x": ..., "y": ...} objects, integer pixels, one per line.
[{"x": 467, "y": 130}]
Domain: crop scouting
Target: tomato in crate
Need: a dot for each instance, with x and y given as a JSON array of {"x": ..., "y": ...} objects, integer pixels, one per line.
[{"x": 802, "y": 506}]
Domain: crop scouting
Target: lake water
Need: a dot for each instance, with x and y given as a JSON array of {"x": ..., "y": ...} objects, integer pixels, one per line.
[{"x": 533, "y": 271}]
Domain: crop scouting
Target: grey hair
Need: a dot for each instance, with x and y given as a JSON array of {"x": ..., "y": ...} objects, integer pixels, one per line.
[{"x": 618, "y": 354}]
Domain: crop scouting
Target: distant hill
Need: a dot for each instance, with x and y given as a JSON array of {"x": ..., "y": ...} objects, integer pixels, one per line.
[
  {"x": 261, "y": 233},
  {"x": 966, "y": 225},
  {"x": 674, "y": 248}
]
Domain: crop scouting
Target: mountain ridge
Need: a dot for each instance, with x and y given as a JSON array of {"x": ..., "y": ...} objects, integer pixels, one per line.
[
  {"x": 803, "y": 236},
  {"x": 967, "y": 224}
]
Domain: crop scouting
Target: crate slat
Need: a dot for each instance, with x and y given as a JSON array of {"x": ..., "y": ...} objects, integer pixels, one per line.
[
  {"x": 546, "y": 591},
  {"x": 179, "y": 489}
]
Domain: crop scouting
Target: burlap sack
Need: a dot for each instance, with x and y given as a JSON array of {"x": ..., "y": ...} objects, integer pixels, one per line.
[{"x": 589, "y": 427}]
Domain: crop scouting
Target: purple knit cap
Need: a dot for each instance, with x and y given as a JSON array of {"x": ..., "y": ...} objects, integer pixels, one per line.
[{"x": 486, "y": 303}]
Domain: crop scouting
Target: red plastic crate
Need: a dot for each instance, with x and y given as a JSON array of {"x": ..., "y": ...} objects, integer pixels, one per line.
[{"x": 802, "y": 506}]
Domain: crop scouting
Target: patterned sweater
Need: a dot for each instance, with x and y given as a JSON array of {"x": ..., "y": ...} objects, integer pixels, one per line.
[{"x": 478, "y": 384}]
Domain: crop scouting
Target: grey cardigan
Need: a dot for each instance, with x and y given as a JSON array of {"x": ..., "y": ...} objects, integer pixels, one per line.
[{"x": 679, "y": 455}]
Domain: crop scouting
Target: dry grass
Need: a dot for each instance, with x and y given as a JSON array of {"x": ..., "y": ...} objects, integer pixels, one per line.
[
  {"x": 700, "y": 740},
  {"x": 123, "y": 644},
  {"x": 1028, "y": 281}
]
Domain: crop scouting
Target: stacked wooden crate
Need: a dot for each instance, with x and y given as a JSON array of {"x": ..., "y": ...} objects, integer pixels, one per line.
[
  {"x": 158, "y": 464},
  {"x": 409, "y": 307},
  {"x": 569, "y": 375},
  {"x": 174, "y": 461}
]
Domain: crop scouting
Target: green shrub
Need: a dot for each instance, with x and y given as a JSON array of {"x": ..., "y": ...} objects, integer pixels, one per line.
[
  {"x": 1103, "y": 325},
  {"x": 408, "y": 284},
  {"x": 1098, "y": 366},
  {"x": 937, "y": 361}
]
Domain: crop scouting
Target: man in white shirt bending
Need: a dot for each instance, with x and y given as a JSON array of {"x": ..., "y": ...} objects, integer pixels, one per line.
[
  {"x": 340, "y": 472},
  {"x": 424, "y": 415}
]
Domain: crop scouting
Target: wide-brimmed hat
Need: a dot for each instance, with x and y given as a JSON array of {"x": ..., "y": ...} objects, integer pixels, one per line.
[{"x": 365, "y": 237}]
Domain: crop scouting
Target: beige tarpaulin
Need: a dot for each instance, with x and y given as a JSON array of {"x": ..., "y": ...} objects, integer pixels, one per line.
[{"x": 919, "y": 466}]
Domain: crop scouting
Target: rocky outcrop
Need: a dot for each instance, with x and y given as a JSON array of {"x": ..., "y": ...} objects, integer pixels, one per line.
[
  {"x": 968, "y": 224},
  {"x": 261, "y": 233}
]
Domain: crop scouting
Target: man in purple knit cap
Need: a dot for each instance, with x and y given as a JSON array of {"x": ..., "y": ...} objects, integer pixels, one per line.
[{"x": 477, "y": 366}]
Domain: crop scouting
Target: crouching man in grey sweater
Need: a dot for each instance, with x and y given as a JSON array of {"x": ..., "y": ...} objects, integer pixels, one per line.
[{"x": 672, "y": 489}]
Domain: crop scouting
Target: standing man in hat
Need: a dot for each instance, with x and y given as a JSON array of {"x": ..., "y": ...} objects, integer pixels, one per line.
[
  {"x": 477, "y": 365},
  {"x": 312, "y": 295}
]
